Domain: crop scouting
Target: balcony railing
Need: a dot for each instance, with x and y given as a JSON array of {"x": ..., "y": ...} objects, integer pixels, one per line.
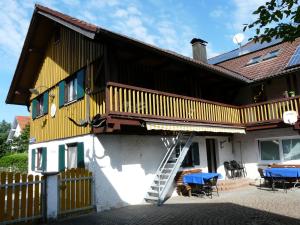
[
  {"x": 141, "y": 102},
  {"x": 130, "y": 101}
]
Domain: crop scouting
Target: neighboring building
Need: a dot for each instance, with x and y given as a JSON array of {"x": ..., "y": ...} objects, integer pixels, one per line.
[
  {"x": 20, "y": 122},
  {"x": 115, "y": 105}
]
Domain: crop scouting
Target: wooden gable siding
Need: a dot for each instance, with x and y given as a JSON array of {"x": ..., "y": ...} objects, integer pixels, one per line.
[{"x": 61, "y": 60}]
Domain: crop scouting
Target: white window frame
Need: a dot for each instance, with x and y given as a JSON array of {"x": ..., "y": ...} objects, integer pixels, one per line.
[
  {"x": 281, "y": 157},
  {"x": 67, "y": 153},
  {"x": 71, "y": 90},
  {"x": 38, "y": 159}
]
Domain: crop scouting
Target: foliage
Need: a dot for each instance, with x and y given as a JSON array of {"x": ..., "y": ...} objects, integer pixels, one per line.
[
  {"x": 20, "y": 144},
  {"x": 4, "y": 130},
  {"x": 284, "y": 14},
  {"x": 18, "y": 161}
]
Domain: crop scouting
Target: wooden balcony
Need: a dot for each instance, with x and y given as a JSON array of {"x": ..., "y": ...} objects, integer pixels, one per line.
[{"x": 140, "y": 103}]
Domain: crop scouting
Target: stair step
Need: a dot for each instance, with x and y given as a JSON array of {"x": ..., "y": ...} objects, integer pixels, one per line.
[
  {"x": 153, "y": 193},
  {"x": 151, "y": 198}
]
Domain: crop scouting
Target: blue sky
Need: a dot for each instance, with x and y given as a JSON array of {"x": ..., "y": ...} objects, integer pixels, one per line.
[{"x": 168, "y": 24}]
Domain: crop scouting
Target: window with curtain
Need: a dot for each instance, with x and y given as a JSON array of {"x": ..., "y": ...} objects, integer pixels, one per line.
[
  {"x": 291, "y": 149},
  {"x": 39, "y": 158},
  {"x": 269, "y": 150},
  {"x": 71, "y": 90},
  {"x": 72, "y": 156}
]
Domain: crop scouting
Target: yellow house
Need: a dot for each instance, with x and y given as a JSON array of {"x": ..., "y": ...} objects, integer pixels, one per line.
[{"x": 125, "y": 109}]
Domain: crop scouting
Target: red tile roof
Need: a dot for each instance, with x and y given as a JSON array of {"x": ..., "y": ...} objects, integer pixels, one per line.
[
  {"x": 266, "y": 68},
  {"x": 23, "y": 121}
]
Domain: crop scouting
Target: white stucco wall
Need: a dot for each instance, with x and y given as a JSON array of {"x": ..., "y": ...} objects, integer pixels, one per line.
[
  {"x": 124, "y": 165},
  {"x": 246, "y": 148}
]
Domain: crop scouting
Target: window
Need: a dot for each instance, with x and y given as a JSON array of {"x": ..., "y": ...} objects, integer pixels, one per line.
[
  {"x": 39, "y": 105},
  {"x": 39, "y": 159},
  {"x": 254, "y": 60},
  {"x": 192, "y": 157},
  {"x": 72, "y": 89},
  {"x": 269, "y": 150},
  {"x": 291, "y": 149},
  {"x": 71, "y": 156},
  {"x": 271, "y": 54}
]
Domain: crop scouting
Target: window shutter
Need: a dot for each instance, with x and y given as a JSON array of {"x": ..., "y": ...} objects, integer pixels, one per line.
[
  {"x": 61, "y": 158},
  {"x": 32, "y": 159},
  {"x": 196, "y": 157},
  {"x": 80, "y": 155},
  {"x": 80, "y": 83},
  {"x": 45, "y": 102},
  {"x": 33, "y": 108},
  {"x": 44, "y": 159},
  {"x": 61, "y": 87}
]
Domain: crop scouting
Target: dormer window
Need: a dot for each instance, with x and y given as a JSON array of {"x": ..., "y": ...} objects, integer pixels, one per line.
[
  {"x": 254, "y": 60},
  {"x": 271, "y": 54}
]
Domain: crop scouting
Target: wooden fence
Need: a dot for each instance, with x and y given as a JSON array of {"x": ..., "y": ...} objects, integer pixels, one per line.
[
  {"x": 75, "y": 190},
  {"x": 20, "y": 197}
]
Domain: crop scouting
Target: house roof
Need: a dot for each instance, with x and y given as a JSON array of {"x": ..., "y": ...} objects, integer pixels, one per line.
[
  {"x": 23, "y": 121},
  {"x": 265, "y": 69},
  {"x": 41, "y": 18}
]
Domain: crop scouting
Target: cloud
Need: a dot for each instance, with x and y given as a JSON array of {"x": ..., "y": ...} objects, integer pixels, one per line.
[{"x": 216, "y": 13}]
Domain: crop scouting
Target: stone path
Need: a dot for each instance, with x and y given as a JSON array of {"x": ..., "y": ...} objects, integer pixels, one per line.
[{"x": 248, "y": 206}]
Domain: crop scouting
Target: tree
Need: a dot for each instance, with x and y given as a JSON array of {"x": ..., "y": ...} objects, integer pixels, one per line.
[
  {"x": 4, "y": 131},
  {"x": 276, "y": 19},
  {"x": 21, "y": 143}
]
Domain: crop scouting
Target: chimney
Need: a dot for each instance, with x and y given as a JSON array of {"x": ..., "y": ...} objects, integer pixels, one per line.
[{"x": 199, "y": 49}]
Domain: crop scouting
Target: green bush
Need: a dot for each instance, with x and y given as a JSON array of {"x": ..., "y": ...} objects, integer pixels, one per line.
[{"x": 18, "y": 162}]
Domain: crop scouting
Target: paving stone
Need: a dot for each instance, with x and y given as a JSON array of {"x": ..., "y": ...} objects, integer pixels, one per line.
[{"x": 250, "y": 206}]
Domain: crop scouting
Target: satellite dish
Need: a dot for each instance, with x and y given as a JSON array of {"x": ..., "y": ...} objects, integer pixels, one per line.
[
  {"x": 238, "y": 38},
  {"x": 290, "y": 117}
]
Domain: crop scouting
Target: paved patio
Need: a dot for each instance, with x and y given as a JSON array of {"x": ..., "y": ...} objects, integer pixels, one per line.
[{"x": 248, "y": 206}]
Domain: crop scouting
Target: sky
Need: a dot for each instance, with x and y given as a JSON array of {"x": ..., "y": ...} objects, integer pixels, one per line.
[{"x": 168, "y": 24}]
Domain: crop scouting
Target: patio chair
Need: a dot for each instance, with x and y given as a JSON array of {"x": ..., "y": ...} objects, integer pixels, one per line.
[
  {"x": 229, "y": 168},
  {"x": 210, "y": 186},
  {"x": 262, "y": 177},
  {"x": 239, "y": 170}
]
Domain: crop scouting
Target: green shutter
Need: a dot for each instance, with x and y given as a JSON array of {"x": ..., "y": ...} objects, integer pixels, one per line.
[
  {"x": 32, "y": 159},
  {"x": 61, "y": 87},
  {"x": 33, "y": 108},
  {"x": 45, "y": 102},
  {"x": 61, "y": 158},
  {"x": 44, "y": 159},
  {"x": 80, "y": 83},
  {"x": 80, "y": 155}
]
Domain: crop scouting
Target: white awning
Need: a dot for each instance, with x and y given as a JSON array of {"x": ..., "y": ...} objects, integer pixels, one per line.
[{"x": 195, "y": 128}]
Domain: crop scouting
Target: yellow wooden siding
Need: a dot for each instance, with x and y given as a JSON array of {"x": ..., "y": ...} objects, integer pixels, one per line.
[{"x": 61, "y": 60}]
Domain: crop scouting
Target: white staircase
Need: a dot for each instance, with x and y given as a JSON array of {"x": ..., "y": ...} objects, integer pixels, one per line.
[{"x": 168, "y": 168}]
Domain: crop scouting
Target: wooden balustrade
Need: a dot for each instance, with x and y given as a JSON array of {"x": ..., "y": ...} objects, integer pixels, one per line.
[
  {"x": 133, "y": 101},
  {"x": 268, "y": 111}
]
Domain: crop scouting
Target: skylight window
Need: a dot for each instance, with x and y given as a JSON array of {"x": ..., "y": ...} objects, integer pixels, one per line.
[
  {"x": 271, "y": 54},
  {"x": 295, "y": 59},
  {"x": 254, "y": 60}
]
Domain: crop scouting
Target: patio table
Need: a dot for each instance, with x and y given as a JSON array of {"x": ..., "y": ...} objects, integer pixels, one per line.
[
  {"x": 282, "y": 172},
  {"x": 199, "y": 178}
]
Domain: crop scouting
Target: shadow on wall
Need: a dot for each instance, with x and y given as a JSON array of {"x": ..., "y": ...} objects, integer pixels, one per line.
[
  {"x": 124, "y": 167},
  {"x": 196, "y": 213}
]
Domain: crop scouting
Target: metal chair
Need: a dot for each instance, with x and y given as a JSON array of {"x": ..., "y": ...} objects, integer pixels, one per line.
[
  {"x": 229, "y": 168},
  {"x": 210, "y": 186},
  {"x": 262, "y": 176}
]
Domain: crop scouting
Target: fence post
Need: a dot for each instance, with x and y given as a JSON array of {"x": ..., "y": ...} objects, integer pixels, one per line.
[{"x": 51, "y": 193}]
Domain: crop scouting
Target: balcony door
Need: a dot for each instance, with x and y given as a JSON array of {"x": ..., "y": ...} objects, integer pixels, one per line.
[{"x": 211, "y": 155}]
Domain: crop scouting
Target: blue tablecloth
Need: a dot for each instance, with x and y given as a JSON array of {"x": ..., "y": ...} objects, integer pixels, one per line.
[
  {"x": 199, "y": 178},
  {"x": 282, "y": 172}
]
